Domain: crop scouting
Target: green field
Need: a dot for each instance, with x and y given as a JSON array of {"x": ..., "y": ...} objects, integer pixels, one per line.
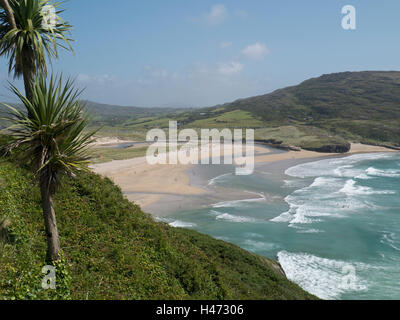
[
  {"x": 231, "y": 119},
  {"x": 101, "y": 154}
]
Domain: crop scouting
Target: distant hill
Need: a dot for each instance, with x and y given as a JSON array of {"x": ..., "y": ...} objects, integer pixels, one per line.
[
  {"x": 113, "y": 114},
  {"x": 349, "y": 96},
  {"x": 354, "y": 106},
  {"x": 321, "y": 114}
]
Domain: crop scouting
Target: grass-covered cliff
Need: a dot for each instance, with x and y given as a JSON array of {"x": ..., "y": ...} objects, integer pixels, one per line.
[{"x": 115, "y": 251}]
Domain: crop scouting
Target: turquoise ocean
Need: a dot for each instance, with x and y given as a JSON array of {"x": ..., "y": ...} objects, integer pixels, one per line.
[{"x": 333, "y": 224}]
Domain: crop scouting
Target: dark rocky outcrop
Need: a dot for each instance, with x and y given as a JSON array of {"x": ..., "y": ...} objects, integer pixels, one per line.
[{"x": 330, "y": 148}]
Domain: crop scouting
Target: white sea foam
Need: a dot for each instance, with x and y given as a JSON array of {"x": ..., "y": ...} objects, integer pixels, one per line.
[
  {"x": 175, "y": 223},
  {"x": 293, "y": 183},
  {"x": 232, "y": 218},
  {"x": 309, "y": 231},
  {"x": 283, "y": 217},
  {"x": 253, "y": 235},
  {"x": 226, "y": 239},
  {"x": 346, "y": 171},
  {"x": 342, "y": 167},
  {"x": 363, "y": 176},
  {"x": 215, "y": 212},
  {"x": 322, "y": 277},
  {"x": 239, "y": 203},
  {"x": 351, "y": 188},
  {"x": 383, "y": 173},
  {"x": 214, "y": 180},
  {"x": 389, "y": 238},
  {"x": 299, "y": 214},
  {"x": 159, "y": 219},
  {"x": 182, "y": 224},
  {"x": 322, "y": 199},
  {"x": 340, "y": 189},
  {"x": 257, "y": 246},
  {"x": 324, "y": 182}
]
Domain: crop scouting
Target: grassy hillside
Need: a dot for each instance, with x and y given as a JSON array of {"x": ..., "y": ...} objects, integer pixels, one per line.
[
  {"x": 349, "y": 95},
  {"x": 115, "y": 251},
  {"x": 357, "y": 106}
]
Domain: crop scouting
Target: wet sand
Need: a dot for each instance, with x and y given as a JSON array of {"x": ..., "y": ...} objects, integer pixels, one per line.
[{"x": 163, "y": 189}]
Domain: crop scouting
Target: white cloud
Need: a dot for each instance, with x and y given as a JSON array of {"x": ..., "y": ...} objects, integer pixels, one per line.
[
  {"x": 99, "y": 79},
  {"x": 225, "y": 45},
  {"x": 198, "y": 84},
  {"x": 255, "y": 51},
  {"x": 217, "y": 14},
  {"x": 231, "y": 68},
  {"x": 153, "y": 73}
]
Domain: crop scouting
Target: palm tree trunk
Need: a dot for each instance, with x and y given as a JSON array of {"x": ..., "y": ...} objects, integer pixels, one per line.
[
  {"x": 9, "y": 12},
  {"x": 53, "y": 241},
  {"x": 27, "y": 73},
  {"x": 27, "y": 83}
]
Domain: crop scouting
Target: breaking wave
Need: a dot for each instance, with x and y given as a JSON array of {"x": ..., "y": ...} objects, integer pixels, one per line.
[{"x": 326, "y": 278}]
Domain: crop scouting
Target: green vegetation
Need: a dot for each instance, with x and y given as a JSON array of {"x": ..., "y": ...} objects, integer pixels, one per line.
[
  {"x": 112, "y": 116},
  {"x": 232, "y": 119},
  {"x": 102, "y": 154},
  {"x": 306, "y": 137},
  {"x": 113, "y": 250},
  {"x": 348, "y": 96},
  {"x": 49, "y": 138}
]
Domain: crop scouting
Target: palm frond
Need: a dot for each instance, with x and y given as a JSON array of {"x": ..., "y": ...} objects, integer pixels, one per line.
[
  {"x": 53, "y": 138},
  {"x": 31, "y": 42}
]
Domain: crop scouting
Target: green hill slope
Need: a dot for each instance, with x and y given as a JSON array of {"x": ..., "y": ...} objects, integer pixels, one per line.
[
  {"x": 115, "y": 251},
  {"x": 321, "y": 113},
  {"x": 365, "y": 95}
]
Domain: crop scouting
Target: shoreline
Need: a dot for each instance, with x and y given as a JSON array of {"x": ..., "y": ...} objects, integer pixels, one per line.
[{"x": 164, "y": 189}]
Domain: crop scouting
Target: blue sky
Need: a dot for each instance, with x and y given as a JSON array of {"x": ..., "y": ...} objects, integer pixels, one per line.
[{"x": 187, "y": 53}]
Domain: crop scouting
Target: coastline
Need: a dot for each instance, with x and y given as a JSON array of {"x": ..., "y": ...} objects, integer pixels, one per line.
[
  {"x": 315, "y": 218},
  {"x": 163, "y": 189}
]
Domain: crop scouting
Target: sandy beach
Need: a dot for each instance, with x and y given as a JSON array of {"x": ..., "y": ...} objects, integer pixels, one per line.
[
  {"x": 147, "y": 184},
  {"x": 101, "y": 141}
]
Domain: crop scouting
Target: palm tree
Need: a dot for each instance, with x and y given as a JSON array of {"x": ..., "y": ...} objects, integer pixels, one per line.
[
  {"x": 26, "y": 38},
  {"x": 9, "y": 12},
  {"x": 52, "y": 140}
]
